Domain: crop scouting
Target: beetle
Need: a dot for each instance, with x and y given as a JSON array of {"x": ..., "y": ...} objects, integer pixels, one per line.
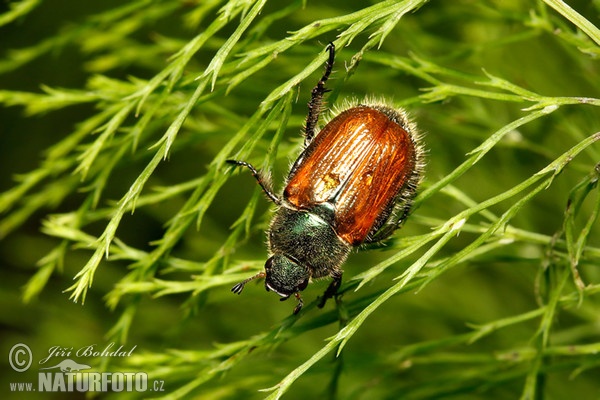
[{"x": 353, "y": 184}]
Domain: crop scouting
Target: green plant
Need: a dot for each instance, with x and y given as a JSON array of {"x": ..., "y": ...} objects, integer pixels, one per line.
[{"x": 504, "y": 231}]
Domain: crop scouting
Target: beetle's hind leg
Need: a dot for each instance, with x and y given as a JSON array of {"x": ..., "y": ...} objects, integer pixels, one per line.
[
  {"x": 316, "y": 100},
  {"x": 259, "y": 179}
]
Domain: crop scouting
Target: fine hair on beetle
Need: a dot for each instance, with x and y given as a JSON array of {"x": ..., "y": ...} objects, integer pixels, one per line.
[{"x": 352, "y": 185}]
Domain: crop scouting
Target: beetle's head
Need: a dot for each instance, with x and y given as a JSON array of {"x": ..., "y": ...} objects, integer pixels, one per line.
[{"x": 283, "y": 276}]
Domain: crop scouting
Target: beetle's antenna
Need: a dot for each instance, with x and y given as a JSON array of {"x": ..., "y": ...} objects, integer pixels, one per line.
[
  {"x": 237, "y": 289},
  {"x": 316, "y": 99}
]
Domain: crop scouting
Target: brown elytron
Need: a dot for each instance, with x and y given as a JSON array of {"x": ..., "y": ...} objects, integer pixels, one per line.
[{"x": 360, "y": 163}]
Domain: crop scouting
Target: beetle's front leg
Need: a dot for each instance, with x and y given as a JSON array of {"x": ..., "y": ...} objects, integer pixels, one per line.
[{"x": 259, "y": 179}]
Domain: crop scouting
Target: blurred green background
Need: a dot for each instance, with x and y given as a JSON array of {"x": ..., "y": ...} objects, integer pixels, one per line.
[{"x": 541, "y": 331}]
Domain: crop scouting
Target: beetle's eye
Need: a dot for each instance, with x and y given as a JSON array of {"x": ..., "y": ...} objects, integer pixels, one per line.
[
  {"x": 303, "y": 285},
  {"x": 269, "y": 264}
]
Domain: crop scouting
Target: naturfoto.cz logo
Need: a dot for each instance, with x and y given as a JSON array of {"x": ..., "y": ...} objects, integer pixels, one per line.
[{"x": 69, "y": 375}]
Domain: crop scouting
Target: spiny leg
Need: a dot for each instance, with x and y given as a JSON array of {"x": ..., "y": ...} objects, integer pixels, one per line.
[
  {"x": 298, "y": 298},
  {"x": 316, "y": 100},
  {"x": 331, "y": 289},
  {"x": 300, "y": 303},
  {"x": 258, "y": 178}
]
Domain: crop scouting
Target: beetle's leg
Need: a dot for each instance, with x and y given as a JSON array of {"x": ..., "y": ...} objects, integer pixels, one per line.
[
  {"x": 316, "y": 99},
  {"x": 331, "y": 289},
  {"x": 300, "y": 303},
  {"x": 237, "y": 289},
  {"x": 263, "y": 184}
]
